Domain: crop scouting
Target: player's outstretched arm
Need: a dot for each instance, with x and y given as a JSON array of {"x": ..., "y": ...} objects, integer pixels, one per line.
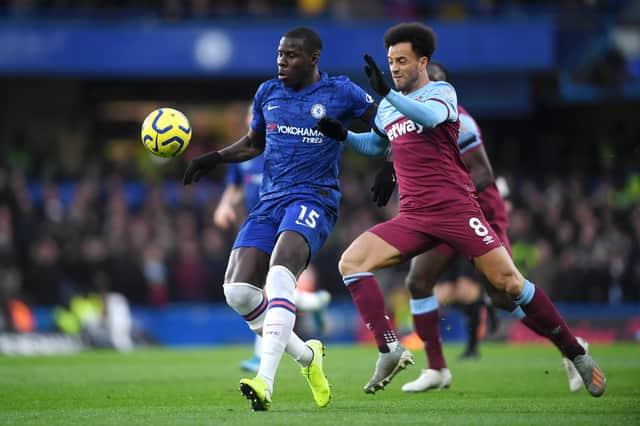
[
  {"x": 247, "y": 147},
  {"x": 369, "y": 144},
  {"x": 430, "y": 113}
]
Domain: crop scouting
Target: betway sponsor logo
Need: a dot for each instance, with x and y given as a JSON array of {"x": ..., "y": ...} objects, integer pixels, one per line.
[{"x": 402, "y": 128}]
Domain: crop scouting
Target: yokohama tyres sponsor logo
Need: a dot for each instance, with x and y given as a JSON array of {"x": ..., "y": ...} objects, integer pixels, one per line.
[
  {"x": 401, "y": 128},
  {"x": 298, "y": 131},
  {"x": 307, "y": 135}
]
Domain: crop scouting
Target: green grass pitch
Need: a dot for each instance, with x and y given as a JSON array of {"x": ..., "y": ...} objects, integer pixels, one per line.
[{"x": 509, "y": 385}]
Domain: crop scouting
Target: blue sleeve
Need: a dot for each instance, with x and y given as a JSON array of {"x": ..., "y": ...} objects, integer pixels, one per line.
[
  {"x": 234, "y": 174},
  {"x": 257, "y": 121},
  {"x": 359, "y": 99},
  {"x": 428, "y": 114},
  {"x": 369, "y": 144},
  {"x": 440, "y": 105}
]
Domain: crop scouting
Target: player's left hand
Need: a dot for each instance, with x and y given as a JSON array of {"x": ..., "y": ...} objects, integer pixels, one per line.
[
  {"x": 200, "y": 166},
  {"x": 375, "y": 76},
  {"x": 383, "y": 185}
]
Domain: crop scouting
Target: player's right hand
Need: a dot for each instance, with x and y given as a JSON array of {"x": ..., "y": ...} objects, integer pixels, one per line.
[
  {"x": 383, "y": 185},
  {"x": 332, "y": 128},
  {"x": 200, "y": 166},
  {"x": 376, "y": 77}
]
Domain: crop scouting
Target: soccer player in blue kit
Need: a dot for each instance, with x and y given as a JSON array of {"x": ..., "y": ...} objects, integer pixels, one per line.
[
  {"x": 240, "y": 196},
  {"x": 298, "y": 204}
]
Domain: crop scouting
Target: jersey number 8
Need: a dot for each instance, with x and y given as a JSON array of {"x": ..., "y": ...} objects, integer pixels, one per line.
[{"x": 478, "y": 227}]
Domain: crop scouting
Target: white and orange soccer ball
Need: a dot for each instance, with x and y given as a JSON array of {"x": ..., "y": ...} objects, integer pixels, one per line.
[{"x": 166, "y": 132}]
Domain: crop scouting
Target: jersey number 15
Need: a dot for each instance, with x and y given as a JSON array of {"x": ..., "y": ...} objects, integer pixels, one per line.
[{"x": 307, "y": 217}]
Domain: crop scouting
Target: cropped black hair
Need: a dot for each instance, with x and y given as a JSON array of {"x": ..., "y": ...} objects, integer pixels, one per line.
[
  {"x": 311, "y": 40},
  {"x": 421, "y": 37}
]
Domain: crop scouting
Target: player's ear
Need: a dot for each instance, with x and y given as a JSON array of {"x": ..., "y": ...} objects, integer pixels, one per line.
[
  {"x": 315, "y": 57},
  {"x": 424, "y": 61}
]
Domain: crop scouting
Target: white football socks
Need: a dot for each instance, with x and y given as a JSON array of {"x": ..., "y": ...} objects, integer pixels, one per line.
[
  {"x": 250, "y": 302},
  {"x": 279, "y": 320},
  {"x": 257, "y": 346}
]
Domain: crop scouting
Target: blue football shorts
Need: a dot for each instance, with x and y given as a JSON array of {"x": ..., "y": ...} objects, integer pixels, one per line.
[{"x": 301, "y": 214}]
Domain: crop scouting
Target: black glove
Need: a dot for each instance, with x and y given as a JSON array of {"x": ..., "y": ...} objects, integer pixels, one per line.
[
  {"x": 375, "y": 76},
  {"x": 332, "y": 128},
  {"x": 200, "y": 166},
  {"x": 384, "y": 184}
]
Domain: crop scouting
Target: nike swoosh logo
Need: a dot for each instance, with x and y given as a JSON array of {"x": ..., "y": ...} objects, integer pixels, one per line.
[{"x": 270, "y": 107}]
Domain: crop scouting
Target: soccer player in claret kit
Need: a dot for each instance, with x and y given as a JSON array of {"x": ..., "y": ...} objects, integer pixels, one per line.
[
  {"x": 437, "y": 204},
  {"x": 427, "y": 267},
  {"x": 298, "y": 204}
]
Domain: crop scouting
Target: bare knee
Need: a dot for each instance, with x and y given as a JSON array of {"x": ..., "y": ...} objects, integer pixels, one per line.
[
  {"x": 349, "y": 264},
  {"x": 508, "y": 280},
  {"x": 419, "y": 284},
  {"x": 500, "y": 299},
  {"x": 413, "y": 283},
  {"x": 497, "y": 266}
]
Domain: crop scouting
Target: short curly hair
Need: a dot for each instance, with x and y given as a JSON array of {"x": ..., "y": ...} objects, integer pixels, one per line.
[{"x": 421, "y": 37}]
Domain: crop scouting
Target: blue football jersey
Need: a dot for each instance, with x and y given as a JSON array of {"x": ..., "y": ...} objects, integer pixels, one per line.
[
  {"x": 298, "y": 158},
  {"x": 249, "y": 175}
]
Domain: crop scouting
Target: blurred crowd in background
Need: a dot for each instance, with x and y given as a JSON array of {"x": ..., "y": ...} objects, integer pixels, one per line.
[
  {"x": 84, "y": 209},
  {"x": 575, "y": 232},
  {"x": 340, "y": 9}
]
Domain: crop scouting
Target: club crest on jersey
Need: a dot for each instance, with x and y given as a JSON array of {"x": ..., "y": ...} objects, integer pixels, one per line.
[
  {"x": 401, "y": 128},
  {"x": 318, "y": 111}
]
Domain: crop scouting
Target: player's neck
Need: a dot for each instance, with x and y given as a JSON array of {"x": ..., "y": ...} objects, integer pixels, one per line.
[
  {"x": 313, "y": 78},
  {"x": 419, "y": 85}
]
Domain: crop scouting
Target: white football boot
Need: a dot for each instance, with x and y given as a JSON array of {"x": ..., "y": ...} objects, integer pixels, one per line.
[{"x": 429, "y": 379}]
